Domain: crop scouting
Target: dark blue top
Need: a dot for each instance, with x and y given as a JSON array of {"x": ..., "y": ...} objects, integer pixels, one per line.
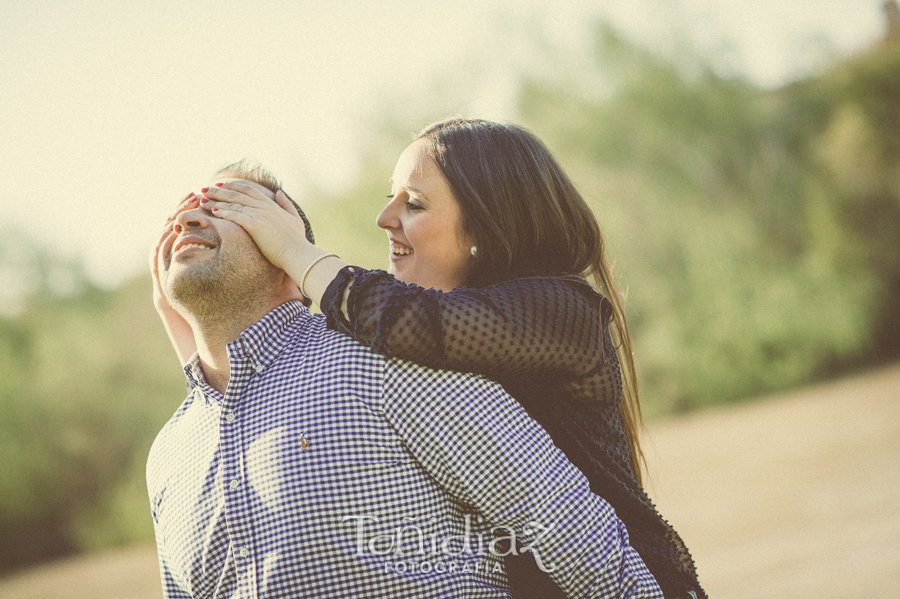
[{"x": 546, "y": 340}]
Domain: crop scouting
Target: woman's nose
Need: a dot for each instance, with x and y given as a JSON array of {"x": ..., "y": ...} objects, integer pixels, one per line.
[
  {"x": 190, "y": 219},
  {"x": 387, "y": 218}
]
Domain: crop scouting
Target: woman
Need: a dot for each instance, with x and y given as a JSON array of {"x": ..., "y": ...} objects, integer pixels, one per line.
[{"x": 488, "y": 242}]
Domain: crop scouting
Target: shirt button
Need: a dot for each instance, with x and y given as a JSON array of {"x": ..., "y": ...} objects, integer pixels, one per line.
[
  {"x": 259, "y": 368},
  {"x": 229, "y": 417},
  {"x": 244, "y": 552},
  {"x": 235, "y": 484}
]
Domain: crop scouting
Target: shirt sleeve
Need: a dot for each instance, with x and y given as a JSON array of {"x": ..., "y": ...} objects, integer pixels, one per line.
[
  {"x": 482, "y": 447},
  {"x": 540, "y": 325}
]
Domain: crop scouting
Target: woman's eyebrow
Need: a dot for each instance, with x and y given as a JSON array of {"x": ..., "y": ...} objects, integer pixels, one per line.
[
  {"x": 410, "y": 188},
  {"x": 413, "y": 189}
]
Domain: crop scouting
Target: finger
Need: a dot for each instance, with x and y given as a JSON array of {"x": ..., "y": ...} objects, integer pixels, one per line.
[
  {"x": 223, "y": 207},
  {"x": 165, "y": 245},
  {"x": 282, "y": 200},
  {"x": 188, "y": 201},
  {"x": 236, "y": 216},
  {"x": 169, "y": 230},
  {"x": 228, "y": 196},
  {"x": 154, "y": 251},
  {"x": 154, "y": 266},
  {"x": 256, "y": 192},
  {"x": 236, "y": 193}
]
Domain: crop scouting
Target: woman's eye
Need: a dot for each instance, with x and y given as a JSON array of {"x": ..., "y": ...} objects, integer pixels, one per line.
[{"x": 414, "y": 206}]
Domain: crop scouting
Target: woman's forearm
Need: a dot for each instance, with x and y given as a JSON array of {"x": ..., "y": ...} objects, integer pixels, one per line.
[
  {"x": 179, "y": 332},
  {"x": 489, "y": 331},
  {"x": 313, "y": 269}
]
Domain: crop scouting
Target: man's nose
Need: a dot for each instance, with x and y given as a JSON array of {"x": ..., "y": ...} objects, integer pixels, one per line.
[{"x": 191, "y": 219}]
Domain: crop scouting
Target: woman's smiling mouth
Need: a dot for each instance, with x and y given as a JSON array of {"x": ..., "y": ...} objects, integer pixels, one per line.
[{"x": 398, "y": 251}]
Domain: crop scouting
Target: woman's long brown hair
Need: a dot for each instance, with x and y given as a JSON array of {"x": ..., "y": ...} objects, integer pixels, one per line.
[{"x": 527, "y": 218}]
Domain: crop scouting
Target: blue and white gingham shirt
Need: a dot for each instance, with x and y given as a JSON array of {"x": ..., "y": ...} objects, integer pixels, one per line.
[{"x": 327, "y": 470}]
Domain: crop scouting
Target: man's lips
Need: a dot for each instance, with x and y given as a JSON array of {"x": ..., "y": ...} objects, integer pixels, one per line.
[{"x": 192, "y": 243}]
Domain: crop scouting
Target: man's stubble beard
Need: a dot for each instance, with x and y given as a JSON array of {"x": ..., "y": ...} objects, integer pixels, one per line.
[{"x": 227, "y": 286}]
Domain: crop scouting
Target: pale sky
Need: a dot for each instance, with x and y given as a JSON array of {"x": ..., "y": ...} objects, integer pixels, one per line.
[{"x": 110, "y": 111}]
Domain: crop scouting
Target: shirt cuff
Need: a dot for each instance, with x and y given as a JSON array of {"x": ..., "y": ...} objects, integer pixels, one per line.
[{"x": 334, "y": 293}]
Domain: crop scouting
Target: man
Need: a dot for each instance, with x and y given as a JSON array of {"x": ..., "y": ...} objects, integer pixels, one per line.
[{"x": 302, "y": 464}]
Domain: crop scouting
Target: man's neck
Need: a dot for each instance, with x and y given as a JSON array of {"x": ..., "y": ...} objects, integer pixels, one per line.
[
  {"x": 214, "y": 335},
  {"x": 212, "y": 348}
]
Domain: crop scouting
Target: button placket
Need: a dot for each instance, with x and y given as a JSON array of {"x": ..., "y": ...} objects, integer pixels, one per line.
[{"x": 238, "y": 511}]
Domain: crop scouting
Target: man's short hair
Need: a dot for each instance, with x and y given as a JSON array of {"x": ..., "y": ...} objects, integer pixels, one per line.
[{"x": 256, "y": 173}]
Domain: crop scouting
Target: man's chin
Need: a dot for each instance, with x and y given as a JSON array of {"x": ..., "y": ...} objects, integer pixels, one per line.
[
  {"x": 189, "y": 265},
  {"x": 192, "y": 257},
  {"x": 193, "y": 288}
]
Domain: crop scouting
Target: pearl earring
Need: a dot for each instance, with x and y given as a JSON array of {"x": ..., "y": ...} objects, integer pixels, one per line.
[{"x": 474, "y": 250}]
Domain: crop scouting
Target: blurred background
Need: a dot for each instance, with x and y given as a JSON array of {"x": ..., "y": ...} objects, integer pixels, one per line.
[{"x": 743, "y": 160}]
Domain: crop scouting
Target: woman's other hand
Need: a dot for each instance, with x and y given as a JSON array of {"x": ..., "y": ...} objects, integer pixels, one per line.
[{"x": 178, "y": 329}]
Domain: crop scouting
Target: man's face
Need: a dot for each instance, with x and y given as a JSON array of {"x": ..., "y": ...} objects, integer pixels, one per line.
[{"x": 208, "y": 263}]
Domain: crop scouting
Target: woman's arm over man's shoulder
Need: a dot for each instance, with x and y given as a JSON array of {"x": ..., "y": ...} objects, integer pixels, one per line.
[{"x": 550, "y": 325}]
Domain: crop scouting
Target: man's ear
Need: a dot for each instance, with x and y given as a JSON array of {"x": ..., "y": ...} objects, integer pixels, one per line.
[
  {"x": 306, "y": 301},
  {"x": 293, "y": 289}
]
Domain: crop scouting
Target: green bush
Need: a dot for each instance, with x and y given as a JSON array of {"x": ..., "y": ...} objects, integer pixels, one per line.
[
  {"x": 744, "y": 272},
  {"x": 86, "y": 383}
]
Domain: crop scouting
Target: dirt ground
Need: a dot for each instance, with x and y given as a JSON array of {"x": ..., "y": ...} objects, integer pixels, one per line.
[{"x": 795, "y": 496}]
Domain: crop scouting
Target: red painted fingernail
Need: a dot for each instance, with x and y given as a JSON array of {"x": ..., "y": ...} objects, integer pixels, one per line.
[
  {"x": 204, "y": 190},
  {"x": 204, "y": 200},
  {"x": 215, "y": 209},
  {"x": 190, "y": 195},
  {"x": 219, "y": 184}
]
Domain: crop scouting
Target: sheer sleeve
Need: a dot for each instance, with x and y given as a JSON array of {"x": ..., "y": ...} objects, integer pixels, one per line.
[{"x": 550, "y": 326}]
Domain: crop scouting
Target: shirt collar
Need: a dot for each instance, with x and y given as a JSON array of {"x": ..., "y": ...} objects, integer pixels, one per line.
[
  {"x": 262, "y": 342},
  {"x": 266, "y": 339},
  {"x": 193, "y": 372}
]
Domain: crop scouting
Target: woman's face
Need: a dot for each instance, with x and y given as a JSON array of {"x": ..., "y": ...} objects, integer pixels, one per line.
[{"x": 422, "y": 220}]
